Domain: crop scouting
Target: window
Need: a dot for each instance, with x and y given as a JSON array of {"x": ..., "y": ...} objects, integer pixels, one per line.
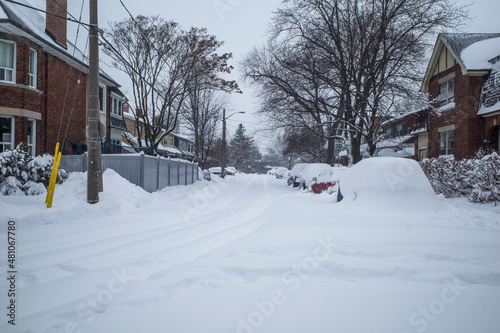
[
  {"x": 6, "y": 134},
  {"x": 116, "y": 107},
  {"x": 102, "y": 99},
  {"x": 447, "y": 92},
  {"x": 33, "y": 68},
  {"x": 32, "y": 137},
  {"x": 399, "y": 129},
  {"x": 172, "y": 142},
  {"x": 446, "y": 143},
  {"x": 7, "y": 61}
]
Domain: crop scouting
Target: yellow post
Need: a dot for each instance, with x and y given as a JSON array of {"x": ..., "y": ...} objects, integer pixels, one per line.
[
  {"x": 52, "y": 173},
  {"x": 52, "y": 184}
]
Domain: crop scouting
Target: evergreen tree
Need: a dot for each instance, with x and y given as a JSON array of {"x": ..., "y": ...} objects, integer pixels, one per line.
[{"x": 242, "y": 149}]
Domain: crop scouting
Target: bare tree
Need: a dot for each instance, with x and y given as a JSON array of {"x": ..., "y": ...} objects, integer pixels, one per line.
[
  {"x": 201, "y": 116},
  {"x": 370, "y": 54},
  {"x": 162, "y": 62}
]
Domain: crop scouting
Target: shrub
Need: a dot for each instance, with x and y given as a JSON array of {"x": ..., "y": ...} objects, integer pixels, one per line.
[
  {"x": 21, "y": 174},
  {"x": 478, "y": 179}
]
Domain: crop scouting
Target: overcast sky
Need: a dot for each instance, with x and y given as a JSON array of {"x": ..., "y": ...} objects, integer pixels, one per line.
[{"x": 241, "y": 24}]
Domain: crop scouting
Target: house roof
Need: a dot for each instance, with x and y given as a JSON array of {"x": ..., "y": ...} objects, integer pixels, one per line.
[
  {"x": 472, "y": 51},
  {"x": 117, "y": 123},
  {"x": 490, "y": 94},
  {"x": 29, "y": 23}
]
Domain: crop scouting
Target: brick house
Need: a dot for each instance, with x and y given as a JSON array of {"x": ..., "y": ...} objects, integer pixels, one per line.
[
  {"x": 404, "y": 135},
  {"x": 463, "y": 82},
  {"x": 172, "y": 145},
  {"x": 40, "y": 72}
]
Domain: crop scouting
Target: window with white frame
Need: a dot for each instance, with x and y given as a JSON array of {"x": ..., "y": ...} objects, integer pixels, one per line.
[
  {"x": 446, "y": 143},
  {"x": 7, "y": 61},
  {"x": 172, "y": 142},
  {"x": 32, "y": 137},
  {"x": 33, "y": 68},
  {"x": 102, "y": 98},
  {"x": 6, "y": 133},
  {"x": 116, "y": 106},
  {"x": 399, "y": 129},
  {"x": 447, "y": 92}
]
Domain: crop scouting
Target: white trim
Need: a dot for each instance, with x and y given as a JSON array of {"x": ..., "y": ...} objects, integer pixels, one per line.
[
  {"x": 35, "y": 75},
  {"x": 12, "y": 132},
  {"x": 104, "y": 89},
  {"x": 447, "y": 78},
  {"x": 114, "y": 97},
  {"x": 4, "y": 111},
  {"x": 14, "y": 62},
  {"x": 446, "y": 128},
  {"x": 33, "y": 135}
]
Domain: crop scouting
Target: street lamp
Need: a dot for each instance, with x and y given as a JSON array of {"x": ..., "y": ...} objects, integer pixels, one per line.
[{"x": 223, "y": 166}]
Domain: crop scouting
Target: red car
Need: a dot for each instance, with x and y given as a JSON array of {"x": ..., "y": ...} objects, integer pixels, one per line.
[{"x": 327, "y": 180}]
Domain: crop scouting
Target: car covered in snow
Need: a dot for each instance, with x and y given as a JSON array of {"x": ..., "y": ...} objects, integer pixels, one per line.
[
  {"x": 310, "y": 173},
  {"x": 328, "y": 179},
  {"x": 217, "y": 171},
  {"x": 294, "y": 173},
  {"x": 281, "y": 172},
  {"x": 272, "y": 171},
  {"x": 390, "y": 183},
  {"x": 206, "y": 175}
]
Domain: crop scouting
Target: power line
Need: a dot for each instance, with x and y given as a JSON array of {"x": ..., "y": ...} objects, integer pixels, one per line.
[
  {"x": 49, "y": 13},
  {"x": 69, "y": 77}
]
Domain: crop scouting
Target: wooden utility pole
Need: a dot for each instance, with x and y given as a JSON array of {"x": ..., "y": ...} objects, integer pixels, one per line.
[
  {"x": 223, "y": 166},
  {"x": 94, "y": 156}
]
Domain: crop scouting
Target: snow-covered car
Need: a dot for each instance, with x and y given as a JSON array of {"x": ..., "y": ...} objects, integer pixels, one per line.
[
  {"x": 328, "y": 179},
  {"x": 309, "y": 173},
  {"x": 294, "y": 173},
  {"x": 231, "y": 171},
  {"x": 272, "y": 171},
  {"x": 390, "y": 183},
  {"x": 217, "y": 171},
  {"x": 207, "y": 175},
  {"x": 281, "y": 172}
]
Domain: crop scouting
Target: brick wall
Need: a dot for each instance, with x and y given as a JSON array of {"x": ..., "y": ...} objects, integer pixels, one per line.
[
  {"x": 47, "y": 100},
  {"x": 56, "y": 26},
  {"x": 74, "y": 114},
  {"x": 469, "y": 128}
]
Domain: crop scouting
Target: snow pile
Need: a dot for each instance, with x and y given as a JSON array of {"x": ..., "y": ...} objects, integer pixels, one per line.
[
  {"x": 388, "y": 183},
  {"x": 477, "y": 179},
  {"x": 20, "y": 174},
  {"x": 477, "y": 55}
]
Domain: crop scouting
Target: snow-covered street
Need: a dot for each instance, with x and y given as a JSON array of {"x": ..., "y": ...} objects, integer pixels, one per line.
[{"x": 248, "y": 254}]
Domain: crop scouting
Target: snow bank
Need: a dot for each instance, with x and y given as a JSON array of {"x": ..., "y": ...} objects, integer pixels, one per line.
[{"x": 388, "y": 184}]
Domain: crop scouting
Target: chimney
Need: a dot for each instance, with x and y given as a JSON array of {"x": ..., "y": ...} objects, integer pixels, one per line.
[{"x": 56, "y": 27}]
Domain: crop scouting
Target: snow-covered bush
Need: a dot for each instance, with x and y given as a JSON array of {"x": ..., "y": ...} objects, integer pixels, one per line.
[
  {"x": 21, "y": 174},
  {"x": 478, "y": 179}
]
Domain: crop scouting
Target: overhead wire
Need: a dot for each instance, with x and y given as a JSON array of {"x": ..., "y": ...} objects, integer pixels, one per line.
[
  {"x": 69, "y": 78},
  {"x": 49, "y": 13}
]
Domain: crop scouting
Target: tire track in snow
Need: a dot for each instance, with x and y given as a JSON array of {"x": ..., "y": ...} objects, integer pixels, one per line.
[{"x": 168, "y": 249}]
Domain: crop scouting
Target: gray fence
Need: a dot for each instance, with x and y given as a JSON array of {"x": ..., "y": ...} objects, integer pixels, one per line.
[{"x": 150, "y": 173}]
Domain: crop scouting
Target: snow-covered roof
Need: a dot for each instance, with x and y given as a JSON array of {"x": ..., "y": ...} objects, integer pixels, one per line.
[
  {"x": 472, "y": 51},
  {"x": 2, "y": 14},
  {"x": 477, "y": 56},
  {"x": 22, "y": 21},
  {"x": 473, "y": 44},
  {"x": 393, "y": 142}
]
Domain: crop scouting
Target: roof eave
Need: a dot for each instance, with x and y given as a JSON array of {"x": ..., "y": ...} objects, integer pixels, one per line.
[
  {"x": 429, "y": 73},
  {"x": 51, "y": 49}
]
